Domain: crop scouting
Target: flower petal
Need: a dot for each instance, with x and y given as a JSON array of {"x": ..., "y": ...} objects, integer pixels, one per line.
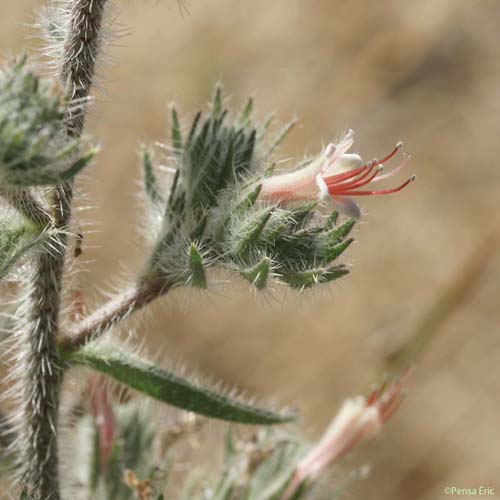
[
  {"x": 344, "y": 163},
  {"x": 347, "y": 206}
]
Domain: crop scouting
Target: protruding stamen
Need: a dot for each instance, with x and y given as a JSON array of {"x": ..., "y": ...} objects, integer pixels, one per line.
[
  {"x": 394, "y": 171},
  {"x": 333, "y": 179},
  {"x": 348, "y": 192},
  {"x": 392, "y": 153},
  {"x": 360, "y": 181},
  {"x": 344, "y": 180}
]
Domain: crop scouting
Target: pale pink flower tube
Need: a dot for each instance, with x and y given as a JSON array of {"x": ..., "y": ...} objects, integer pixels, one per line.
[
  {"x": 334, "y": 174},
  {"x": 358, "y": 420}
]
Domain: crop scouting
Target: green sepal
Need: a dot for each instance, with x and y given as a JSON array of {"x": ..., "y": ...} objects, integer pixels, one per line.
[
  {"x": 311, "y": 277},
  {"x": 217, "y": 102},
  {"x": 197, "y": 275},
  {"x": 331, "y": 220},
  {"x": 258, "y": 275},
  {"x": 301, "y": 216},
  {"x": 336, "y": 235},
  {"x": 251, "y": 231},
  {"x": 332, "y": 252},
  {"x": 150, "y": 182},
  {"x": 77, "y": 166},
  {"x": 281, "y": 136},
  {"x": 247, "y": 151},
  {"x": 249, "y": 200},
  {"x": 47, "y": 178},
  {"x": 227, "y": 170},
  {"x": 192, "y": 131},
  {"x": 164, "y": 386},
  {"x": 176, "y": 131},
  {"x": 244, "y": 118}
]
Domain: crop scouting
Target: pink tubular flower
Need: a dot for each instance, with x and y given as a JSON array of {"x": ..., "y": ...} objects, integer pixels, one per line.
[
  {"x": 358, "y": 420},
  {"x": 334, "y": 174},
  {"x": 104, "y": 418}
]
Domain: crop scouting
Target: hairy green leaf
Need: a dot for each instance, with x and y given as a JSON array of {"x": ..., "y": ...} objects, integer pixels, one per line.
[
  {"x": 197, "y": 277},
  {"x": 150, "y": 182},
  {"x": 258, "y": 274},
  {"x": 171, "y": 389},
  {"x": 309, "y": 278},
  {"x": 176, "y": 131},
  {"x": 281, "y": 136},
  {"x": 249, "y": 234}
]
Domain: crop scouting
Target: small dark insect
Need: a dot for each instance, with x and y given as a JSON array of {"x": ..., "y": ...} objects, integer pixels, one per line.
[{"x": 78, "y": 245}]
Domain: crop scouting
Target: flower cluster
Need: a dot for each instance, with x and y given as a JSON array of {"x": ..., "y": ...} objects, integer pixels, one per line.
[{"x": 35, "y": 149}]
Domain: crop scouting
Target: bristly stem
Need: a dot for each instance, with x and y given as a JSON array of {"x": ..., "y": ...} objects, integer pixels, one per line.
[
  {"x": 42, "y": 375},
  {"x": 112, "y": 313}
]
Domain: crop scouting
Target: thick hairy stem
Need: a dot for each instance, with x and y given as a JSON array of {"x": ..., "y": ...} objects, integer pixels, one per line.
[
  {"x": 81, "y": 48},
  {"x": 43, "y": 373},
  {"x": 113, "y": 313},
  {"x": 42, "y": 381}
]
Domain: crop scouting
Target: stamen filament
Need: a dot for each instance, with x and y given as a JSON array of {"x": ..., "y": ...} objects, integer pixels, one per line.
[
  {"x": 391, "y": 154},
  {"x": 355, "y": 183},
  {"x": 347, "y": 175},
  {"x": 393, "y": 172},
  {"x": 348, "y": 192}
]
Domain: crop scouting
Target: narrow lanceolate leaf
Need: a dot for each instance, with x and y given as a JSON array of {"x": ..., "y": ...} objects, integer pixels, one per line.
[
  {"x": 251, "y": 198},
  {"x": 193, "y": 129},
  {"x": 77, "y": 166},
  {"x": 251, "y": 231},
  {"x": 309, "y": 278},
  {"x": 176, "y": 131},
  {"x": 150, "y": 182},
  {"x": 168, "y": 388},
  {"x": 217, "y": 105},
  {"x": 337, "y": 235},
  {"x": 197, "y": 276},
  {"x": 331, "y": 220},
  {"x": 281, "y": 136},
  {"x": 258, "y": 274},
  {"x": 303, "y": 215},
  {"x": 331, "y": 252},
  {"x": 246, "y": 113}
]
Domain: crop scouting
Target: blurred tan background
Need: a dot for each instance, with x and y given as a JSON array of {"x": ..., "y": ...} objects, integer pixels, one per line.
[{"x": 427, "y": 73}]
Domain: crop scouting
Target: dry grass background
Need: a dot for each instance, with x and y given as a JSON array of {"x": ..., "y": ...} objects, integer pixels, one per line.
[{"x": 424, "y": 72}]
